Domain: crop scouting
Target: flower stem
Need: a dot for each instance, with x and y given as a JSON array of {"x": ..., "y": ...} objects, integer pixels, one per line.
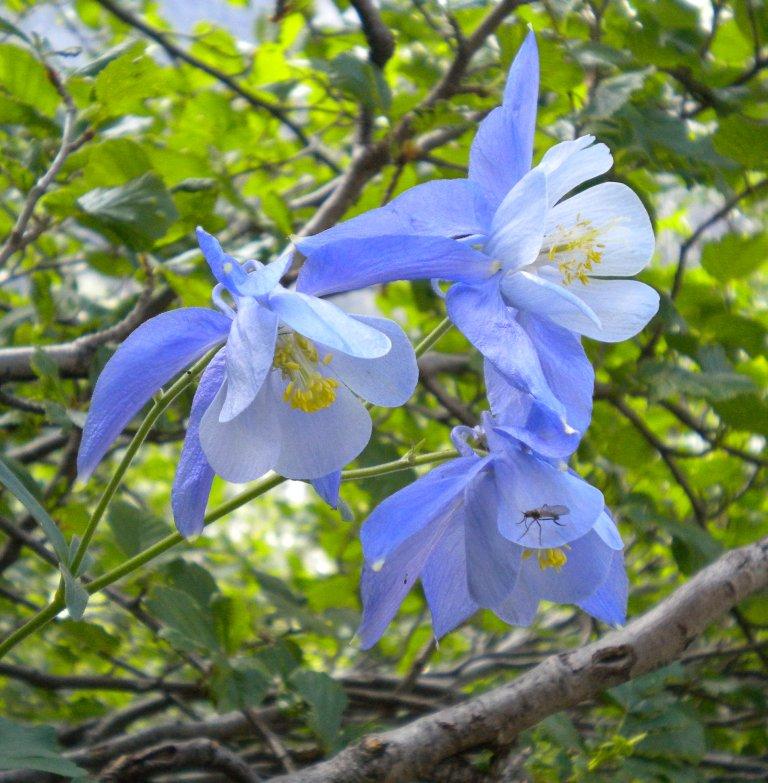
[
  {"x": 44, "y": 616},
  {"x": 160, "y": 404},
  {"x": 427, "y": 342}
]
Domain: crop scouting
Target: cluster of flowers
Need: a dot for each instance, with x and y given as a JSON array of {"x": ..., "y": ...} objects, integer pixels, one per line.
[{"x": 529, "y": 271}]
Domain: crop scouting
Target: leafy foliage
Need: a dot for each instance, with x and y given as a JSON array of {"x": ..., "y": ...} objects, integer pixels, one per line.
[{"x": 253, "y": 623}]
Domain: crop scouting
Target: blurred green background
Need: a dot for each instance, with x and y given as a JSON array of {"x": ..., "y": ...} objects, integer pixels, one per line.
[{"x": 242, "y": 117}]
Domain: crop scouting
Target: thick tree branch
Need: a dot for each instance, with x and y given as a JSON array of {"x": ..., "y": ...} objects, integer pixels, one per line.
[
  {"x": 559, "y": 682},
  {"x": 381, "y": 42}
]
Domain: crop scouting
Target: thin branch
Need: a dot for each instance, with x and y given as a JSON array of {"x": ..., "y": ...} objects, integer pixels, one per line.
[
  {"x": 381, "y": 42},
  {"x": 175, "y": 52},
  {"x": 558, "y": 683}
]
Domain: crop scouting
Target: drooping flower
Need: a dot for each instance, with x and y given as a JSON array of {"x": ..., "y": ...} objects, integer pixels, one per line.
[
  {"x": 531, "y": 269},
  {"x": 501, "y": 529},
  {"x": 284, "y": 393}
]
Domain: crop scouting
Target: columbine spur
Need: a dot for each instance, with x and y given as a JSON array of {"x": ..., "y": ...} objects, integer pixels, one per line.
[
  {"x": 283, "y": 394},
  {"x": 531, "y": 269},
  {"x": 500, "y": 528}
]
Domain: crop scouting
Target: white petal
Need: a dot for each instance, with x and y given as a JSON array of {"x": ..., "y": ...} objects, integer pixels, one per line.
[
  {"x": 571, "y": 163},
  {"x": 620, "y": 221},
  {"x": 388, "y": 380},
  {"x": 624, "y": 307},
  {"x": 315, "y": 444},
  {"x": 517, "y": 227},
  {"x": 246, "y": 447}
]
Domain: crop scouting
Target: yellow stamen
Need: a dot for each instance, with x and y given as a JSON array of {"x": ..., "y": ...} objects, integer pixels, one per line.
[
  {"x": 307, "y": 390},
  {"x": 548, "y": 558},
  {"x": 576, "y": 250}
]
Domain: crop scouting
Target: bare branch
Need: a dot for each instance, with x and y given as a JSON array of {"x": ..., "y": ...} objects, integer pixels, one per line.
[
  {"x": 559, "y": 682},
  {"x": 381, "y": 42}
]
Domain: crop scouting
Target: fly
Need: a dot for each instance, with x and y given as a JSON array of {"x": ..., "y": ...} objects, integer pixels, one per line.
[{"x": 544, "y": 513}]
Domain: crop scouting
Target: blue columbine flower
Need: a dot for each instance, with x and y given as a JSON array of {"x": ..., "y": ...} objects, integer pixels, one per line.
[
  {"x": 531, "y": 269},
  {"x": 283, "y": 394},
  {"x": 499, "y": 529}
]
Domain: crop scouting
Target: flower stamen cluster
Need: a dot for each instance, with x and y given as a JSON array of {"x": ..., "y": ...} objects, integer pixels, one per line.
[
  {"x": 548, "y": 558},
  {"x": 582, "y": 250},
  {"x": 297, "y": 359}
]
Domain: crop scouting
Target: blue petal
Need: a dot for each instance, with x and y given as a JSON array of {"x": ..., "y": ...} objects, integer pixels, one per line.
[
  {"x": 521, "y": 605},
  {"x": 444, "y": 579},
  {"x": 225, "y": 268},
  {"x": 493, "y": 561},
  {"x": 246, "y": 447},
  {"x": 328, "y": 487},
  {"x": 609, "y": 602},
  {"x": 520, "y": 417},
  {"x": 525, "y": 483},
  {"x": 384, "y": 584},
  {"x": 250, "y": 351},
  {"x": 388, "y": 380},
  {"x": 586, "y": 567},
  {"x": 325, "y": 323},
  {"x": 606, "y": 528},
  {"x": 408, "y": 512},
  {"x": 571, "y": 163},
  {"x": 358, "y": 263},
  {"x": 315, "y": 444},
  {"x": 446, "y": 208},
  {"x": 517, "y": 229},
  {"x": 194, "y": 476},
  {"x": 566, "y": 367},
  {"x": 266, "y": 277},
  {"x": 150, "y": 356},
  {"x": 502, "y": 150},
  {"x": 491, "y": 326}
]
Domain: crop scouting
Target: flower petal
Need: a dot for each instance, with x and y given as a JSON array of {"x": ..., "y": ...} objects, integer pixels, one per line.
[
  {"x": 225, "y": 268},
  {"x": 525, "y": 483},
  {"x": 624, "y": 308},
  {"x": 444, "y": 579},
  {"x": 566, "y": 367},
  {"x": 609, "y": 602},
  {"x": 315, "y": 444},
  {"x": 149, "y": 357},
  {"x": 570, "y": 163},
  {"x": 250, "y": 351},
  {"x": 328, "y": 487},
  {"x": 503, "y": 146},
  {"x": 521, "y": 605},
  {"x": 620, "y": 221},
  {"x": 267, "y": 276},
  {"x": 387, "y": 380},
  {"x": 360, "y": 262},
  {"x": 535, "y": 294},
  {"x": 410, "y": 510},
  {"x": 194, "y": 476},
  {"x": 586, "y": 567},
  {"x": 246, "y": 447},
  {"x": 491, "y": 326},
  {"x": 493, "y": 561},
  {"x": 325, "y": 323},
  {"x": 517, "y": 228},
  {"x": 385, "y": 584},
  {"x": 606, "y": 528}
]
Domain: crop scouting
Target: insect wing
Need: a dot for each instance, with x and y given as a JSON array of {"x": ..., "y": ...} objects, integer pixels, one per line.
[{"x": 555, "y": 511}]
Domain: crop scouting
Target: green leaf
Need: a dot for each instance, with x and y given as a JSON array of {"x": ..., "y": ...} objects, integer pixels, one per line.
[
  {"x": 12, "y": 483},
  {"x": 137, "y": 213},
  {"x": 134, "y": 529},
  {"x": 189, "y": 624},
  {"x": 359, "y": 79},
  {"x": 327, "y": 702},
  {"x": 236, "y": 687},
  {"x": 75, "y": 595},
  {"x": 192, "y": 579},
  {"x": 277, "y": 211},
  {"x": 735, "y": 256},
  {"x": 667, "y": 380},
  {"x": 744, "y": 140},
  {"x": 33, "y": 748},
  {"x": 125, "y": 82},
  {"x": 25, "y": 79},
  {"x": 746, "y": 412},
  {"x": 611, "y": 94}
]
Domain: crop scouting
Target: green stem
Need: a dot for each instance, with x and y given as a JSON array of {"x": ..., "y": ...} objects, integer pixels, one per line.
[
  {"x": 160, "y": 404},
  {"x": 44, "y": 616},
  {"x": 427, "y": 342}
]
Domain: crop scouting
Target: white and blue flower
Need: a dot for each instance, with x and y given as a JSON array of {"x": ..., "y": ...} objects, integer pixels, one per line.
[{"x": 284, "y": 393}]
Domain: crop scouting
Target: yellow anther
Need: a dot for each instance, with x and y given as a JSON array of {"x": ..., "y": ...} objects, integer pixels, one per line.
[
  {"x": 327, "y": 359},
  {"x": 576, "y": 250},
  {"x": 548, "y": 558},
  {"x": 307, "y": 389}
]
